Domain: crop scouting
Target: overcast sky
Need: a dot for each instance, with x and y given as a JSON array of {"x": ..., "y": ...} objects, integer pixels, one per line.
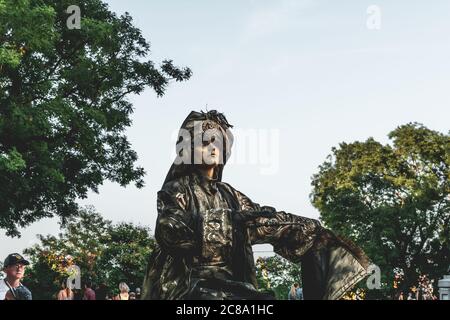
[{"x": 304, "y": 75}]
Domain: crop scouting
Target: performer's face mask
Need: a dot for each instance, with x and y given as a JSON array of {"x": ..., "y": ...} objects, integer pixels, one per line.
[
  {"x": 211, "y": 151},
  {"x": 203, "y": 142},
  {"x": 208, "y": 143}
]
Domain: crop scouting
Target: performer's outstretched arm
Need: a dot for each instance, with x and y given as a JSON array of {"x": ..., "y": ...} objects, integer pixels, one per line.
[
  {"x": 280, "y": 229},
  {"x": 330, "y": 265}
]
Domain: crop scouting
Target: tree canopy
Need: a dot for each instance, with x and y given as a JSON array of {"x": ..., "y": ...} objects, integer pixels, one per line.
[
  {"x": 391, "y": 199},
  {"x": 64, "y": 107},
  {"x": 106, "y": 254},
  {"x": 276, "y": 275}
]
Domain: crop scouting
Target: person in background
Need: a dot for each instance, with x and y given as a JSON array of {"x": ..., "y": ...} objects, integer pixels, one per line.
[
  {"x": 138, "y": 293},
  {"x": 11, "y": 288},
  {"x": 77, "y": 294},
  {"x": 20, "y": 293},
  {"x": 415, "y": 293},
  {"x": 102, "y": 292},
  {"x": 401, "y": 296},
  {"x": 132, "y": 296},
  {"x": 293, "y": 292},
  {"x": 65, "y": 293},
  {"x": 123, "y": 294},
  {"x": 89, "y": 293},
  {"x": 299, "y": 292}
]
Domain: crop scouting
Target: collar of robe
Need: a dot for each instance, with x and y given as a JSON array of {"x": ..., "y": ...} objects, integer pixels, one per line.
[{"x": 210, "y": 184}]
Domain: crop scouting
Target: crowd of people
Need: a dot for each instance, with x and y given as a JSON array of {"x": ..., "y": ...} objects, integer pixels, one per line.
[
  {"x": 423, "y": 291},
  {"x": 91, "y": 293},
  {"x": 11, "y": 287}
]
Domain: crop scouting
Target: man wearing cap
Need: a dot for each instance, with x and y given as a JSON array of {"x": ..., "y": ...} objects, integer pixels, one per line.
[{"x": 10, "y": 287}]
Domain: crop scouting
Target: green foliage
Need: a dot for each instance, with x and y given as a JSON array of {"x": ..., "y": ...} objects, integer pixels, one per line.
[
  {"x": 106, "y": 254},
  {"x": 392, "y": 200},
  {"x": 276, "y": 275},
  {"x": 125, "y": 256},
  {"x": 63, "y": 105}
]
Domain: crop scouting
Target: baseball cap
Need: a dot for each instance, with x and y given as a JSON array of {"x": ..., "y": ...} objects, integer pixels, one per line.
[{"x": 13, "y": 259}]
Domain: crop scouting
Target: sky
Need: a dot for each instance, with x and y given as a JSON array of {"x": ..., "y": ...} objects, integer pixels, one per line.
[{"x": 294, "y": 77}]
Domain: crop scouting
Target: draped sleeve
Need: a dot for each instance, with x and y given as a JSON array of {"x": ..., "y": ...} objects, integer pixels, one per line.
[{"x": 175, "y": 225}]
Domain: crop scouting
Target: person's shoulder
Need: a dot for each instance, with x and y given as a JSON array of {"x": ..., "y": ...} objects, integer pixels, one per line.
[
  {"x": 179, "y": 184},
  {"x": 227, "y": 186},
  {"x": 23, "y": 293},
  {"x": 230, "y": 188},
  {"x": 245, "y": 202}
]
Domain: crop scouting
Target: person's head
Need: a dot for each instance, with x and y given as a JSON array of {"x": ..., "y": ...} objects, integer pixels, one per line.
[
  {"x": 292, "y": 291},
  {"x": 123, "y": 287},
  {"x": 204, "y": 140},
  {"x": 14, "y": 266},
  {"x": 209, "y": 144},
  {"x": 88, "y": 284},
  {"x": 296, "y": 285},
  {"x": 132, "y": 296},
  {"x": 64, "y": 286},
  {"x": 138, "y": 291}
]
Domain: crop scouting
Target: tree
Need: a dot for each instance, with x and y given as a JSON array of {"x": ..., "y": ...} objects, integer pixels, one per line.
[
  {"x": 125, "y": 255},
  {"x": 64, "y": 107},
  {"x": 106, "y": 254},
  {"x": 276, "y": 275},
  {"x": 392, "y": 200}
]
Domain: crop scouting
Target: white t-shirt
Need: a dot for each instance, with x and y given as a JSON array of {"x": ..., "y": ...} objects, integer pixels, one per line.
[{"x": 3, "y": 289}]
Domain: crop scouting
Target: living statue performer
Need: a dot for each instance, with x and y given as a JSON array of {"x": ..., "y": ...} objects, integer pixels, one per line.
[{"x": 205, "y": 230}]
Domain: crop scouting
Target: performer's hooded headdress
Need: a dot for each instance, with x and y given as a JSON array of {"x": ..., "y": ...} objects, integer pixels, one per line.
[{"x": 195, "y": 129}]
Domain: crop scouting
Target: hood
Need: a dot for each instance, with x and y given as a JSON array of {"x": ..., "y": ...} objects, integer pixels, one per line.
[{"x": 195, "y": 126}]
